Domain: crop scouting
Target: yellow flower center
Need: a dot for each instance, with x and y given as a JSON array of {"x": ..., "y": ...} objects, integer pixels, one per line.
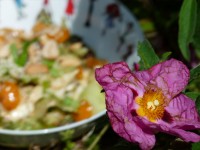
[{"x": 151, "y": 105}]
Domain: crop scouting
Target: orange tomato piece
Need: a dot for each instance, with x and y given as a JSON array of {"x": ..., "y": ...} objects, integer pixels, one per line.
[
  {"x": 61, "y": 35},
  {"x": 2, "y": 39},
  {"x": 91, "y": 62},
  {"x": 84, "y": 111},
  {"x": 39, "y": 27},
  {"x": 79, "y": 75},
  {"x": 9, "y": 95}
]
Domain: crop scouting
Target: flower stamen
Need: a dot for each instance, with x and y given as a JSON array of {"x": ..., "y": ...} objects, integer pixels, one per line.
[
  {"x": 156, "y": 102},
  {"x": 151, "y": 105}
]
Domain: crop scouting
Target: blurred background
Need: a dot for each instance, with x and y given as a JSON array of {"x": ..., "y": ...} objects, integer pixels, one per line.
[{"x": 159, "y": 22}]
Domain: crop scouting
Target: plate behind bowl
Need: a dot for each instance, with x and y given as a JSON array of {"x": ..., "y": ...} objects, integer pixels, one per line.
[{"x": 105, "y": 25}]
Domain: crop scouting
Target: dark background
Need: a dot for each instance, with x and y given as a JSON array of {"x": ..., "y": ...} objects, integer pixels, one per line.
[{"x": 159, "y": 22}]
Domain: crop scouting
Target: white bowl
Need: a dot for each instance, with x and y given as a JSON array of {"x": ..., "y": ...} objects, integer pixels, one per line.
[{"x": 110, "y": 30}]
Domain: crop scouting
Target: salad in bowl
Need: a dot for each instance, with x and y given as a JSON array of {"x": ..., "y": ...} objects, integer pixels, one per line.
[
  {"x": 49, "y": 50},
  {"x": 46, "y": 78}
]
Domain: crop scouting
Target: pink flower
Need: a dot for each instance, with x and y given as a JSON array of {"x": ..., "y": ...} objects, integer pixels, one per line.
[{"x": 140, "y": 104}]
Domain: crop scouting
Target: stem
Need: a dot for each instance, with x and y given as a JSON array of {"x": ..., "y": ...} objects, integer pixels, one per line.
[{"x": 96, "y": 140}]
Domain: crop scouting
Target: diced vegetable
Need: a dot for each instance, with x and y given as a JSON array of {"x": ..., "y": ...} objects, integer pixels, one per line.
[
  {"x": 93, "y": 95},
  {"x": 9, "y": 95},
  {"x": 84, "y": 111}
]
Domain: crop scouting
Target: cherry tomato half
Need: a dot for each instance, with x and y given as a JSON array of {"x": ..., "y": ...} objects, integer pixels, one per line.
[
  {"x": 84, "y": 111},
  {"x": 9, "y": 95}
]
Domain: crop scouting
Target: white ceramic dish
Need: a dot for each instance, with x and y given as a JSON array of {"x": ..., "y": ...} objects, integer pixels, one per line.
[{"x": 105, "y": 25}]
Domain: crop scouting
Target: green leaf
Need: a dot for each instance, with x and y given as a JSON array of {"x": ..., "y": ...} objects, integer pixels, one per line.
[
  {"x": 187, "y": 23},
  {"x": 55, "y": 72},
  {"x": 147, "y": 55},
  {"x": 195, "y": 73},
  {"x": 49, "y": 63},
  {"x": 20, "y": 58},
  {"x": 196, "y": 37},
  {"x": 192, "y": 95},
  {"x": 196, "y": 146},
  {"x": 197, "y": 102},
  {"x": 46, "y": 84},
  {"x": 165, "y": 56},
  {"x": 68, "y": 101},
  {"x": 14, "y": 51}
]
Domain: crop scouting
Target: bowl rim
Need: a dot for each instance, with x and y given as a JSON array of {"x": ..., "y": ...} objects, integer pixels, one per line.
[{"x": 53, "y": 129}]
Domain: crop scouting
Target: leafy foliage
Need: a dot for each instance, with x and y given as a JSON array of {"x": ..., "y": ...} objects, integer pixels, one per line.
[
  {"x": 197, "y": 102},
  {"x": 195, "y": 73},
  {"x": 147, "y": 55},
  {"x": 165, "y": 56},
  {"x": 187, "y": 26},
  {"x": 193, "y": 88},
  {"x": 196, "y": 37},
  {"x": 196, "y": 146},
  {"x": 192, "y": 95}
]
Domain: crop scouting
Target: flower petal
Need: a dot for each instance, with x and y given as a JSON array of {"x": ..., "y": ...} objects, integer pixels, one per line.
[
  {"x": 119, "y": 102},
  {"x": 111, "y": 72},
  {"x": 118, "y": 73},
  {"x": 171, "y": 76},
  {"x": 121, "y": 88},
  {"x": 187, "y": 136},
  {"x": 184, "y": 113},
  {"x": 184, "y": 117}
]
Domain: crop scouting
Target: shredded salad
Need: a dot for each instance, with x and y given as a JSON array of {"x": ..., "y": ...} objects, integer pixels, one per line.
[{"x": 46, "y": 78}]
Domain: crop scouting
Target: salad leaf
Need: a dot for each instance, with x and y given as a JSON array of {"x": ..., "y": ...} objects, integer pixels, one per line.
[
  {"x": 14, "y": 52},
  {"x": 69, "y": 102},
  {"x": 55, "y": 71},
  {"x": 20, "y": 58},
  {"x": 48, "y": 62}
]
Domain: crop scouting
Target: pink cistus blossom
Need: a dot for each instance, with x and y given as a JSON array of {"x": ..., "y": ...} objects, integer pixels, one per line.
[{"x": 142, "y": 103}]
